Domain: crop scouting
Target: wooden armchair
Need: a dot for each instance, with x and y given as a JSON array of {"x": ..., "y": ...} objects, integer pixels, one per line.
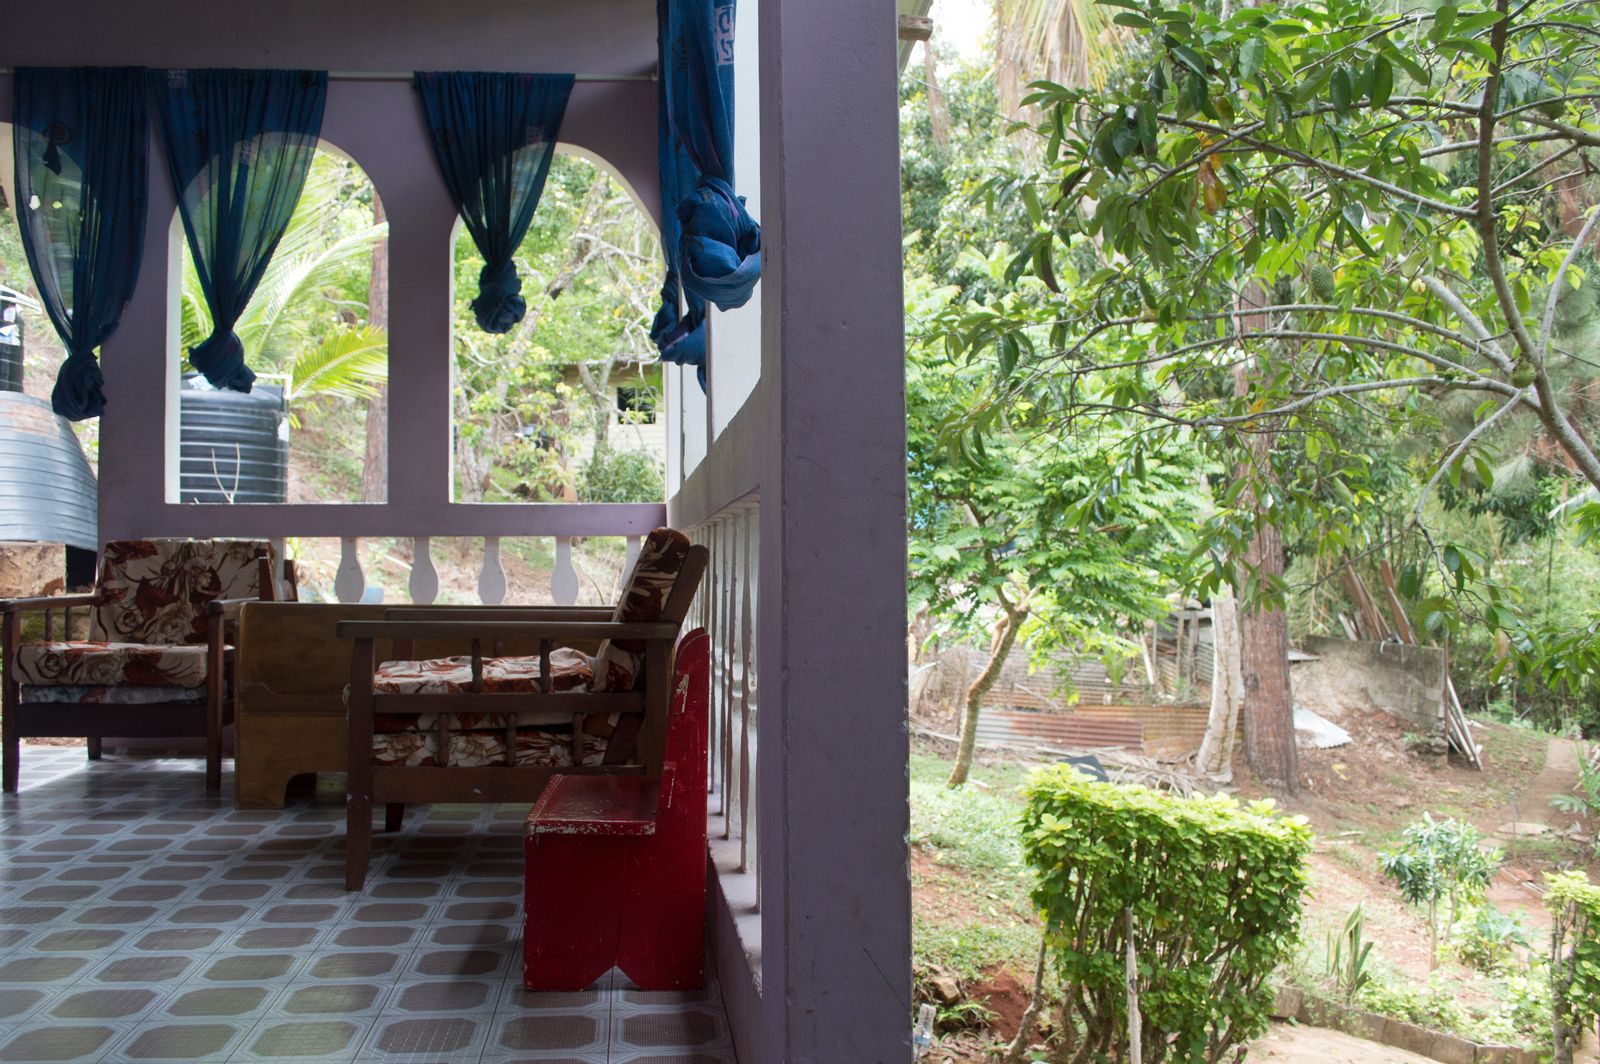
[
  {"x": 487, "y": 728},
  {"x": 157, "y": 658}
]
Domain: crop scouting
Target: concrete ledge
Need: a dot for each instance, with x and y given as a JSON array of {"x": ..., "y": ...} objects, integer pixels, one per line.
[{"x": 1294, "y": 1004}]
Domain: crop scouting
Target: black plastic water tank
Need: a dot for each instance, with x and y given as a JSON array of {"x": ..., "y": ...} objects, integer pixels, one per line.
[{"x": 232, "y": 446}]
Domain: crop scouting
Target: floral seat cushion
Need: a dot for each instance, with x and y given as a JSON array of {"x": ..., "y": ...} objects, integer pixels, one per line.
[
  {"x": 111, "y": 665},
  {"x": 472, "y": 749},
  {"x": 157, "y": 591},
  {"x": 569, "y": 671},
  {"x": 619, "y": 662}
]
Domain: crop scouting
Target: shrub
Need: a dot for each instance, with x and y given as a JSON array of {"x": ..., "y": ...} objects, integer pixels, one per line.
[
  {"x": 1485, "y": 937},
  {"x": 1214, "y": 888},
  {"x": 621, "y": 476},
  {"x": 1574, "y": 957},
  {"x": 1440, "y": 859}
]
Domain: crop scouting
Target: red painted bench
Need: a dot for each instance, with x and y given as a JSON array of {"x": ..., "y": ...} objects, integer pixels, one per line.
[{"x": 616, "y": 865}]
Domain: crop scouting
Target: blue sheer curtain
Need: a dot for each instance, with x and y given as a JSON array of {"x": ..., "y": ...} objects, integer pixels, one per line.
[
  {"x": 711, "y": 244},
  {"x": 494, "y": 136},
  {"x": 81, "y": 143},
  {"x": 238, "y": 144}
]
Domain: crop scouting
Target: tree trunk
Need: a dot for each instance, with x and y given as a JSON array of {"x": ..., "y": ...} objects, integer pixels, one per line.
[
  {"x": 1005, "y": 635},
  {"x": 1215, "y": 761},
  {"x": 938, "y": 113},
  {"x": 375, "y": 467},
  {"x": 1268, "y": 703}
]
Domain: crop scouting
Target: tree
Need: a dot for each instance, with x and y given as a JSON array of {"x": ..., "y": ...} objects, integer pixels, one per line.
[
  {"x": 1027, "y": 535},
  {"x": 1438, "y": 860},
  {"x": 1357, "y": 211}
]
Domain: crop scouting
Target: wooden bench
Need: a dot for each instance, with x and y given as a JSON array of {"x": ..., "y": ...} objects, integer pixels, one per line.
[{"x": 615, "y": 866}]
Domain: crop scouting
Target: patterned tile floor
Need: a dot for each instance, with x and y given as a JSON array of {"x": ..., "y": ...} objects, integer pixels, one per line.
[{"x": 143, "y": 921}]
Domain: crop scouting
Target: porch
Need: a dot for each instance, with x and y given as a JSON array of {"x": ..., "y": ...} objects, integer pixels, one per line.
[
  {"x": 143, "y": 920},
  {"x": 789, "y": 466}
]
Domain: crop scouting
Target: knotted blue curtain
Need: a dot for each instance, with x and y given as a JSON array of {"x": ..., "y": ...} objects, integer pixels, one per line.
[
  {"x": 711, "y": 244},
  {"x": 239, "y": 144},
  {"x": 81, "y": 143},
  {"x": 495, "y": 136}
]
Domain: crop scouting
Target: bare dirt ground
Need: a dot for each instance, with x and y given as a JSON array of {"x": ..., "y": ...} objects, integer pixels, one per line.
[{"x": 1359, "y": 798}]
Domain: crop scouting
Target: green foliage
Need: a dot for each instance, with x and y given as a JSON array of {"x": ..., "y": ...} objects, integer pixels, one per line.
[
  {"x": 1348, "y": 954},
  {"x": 1585, "y": 799},
  {"x": 1574, "y": 902},
  {"x": 1264, "y": 243},
  {"x": 1215, "y": 889},
  {"x": 621, "y": 476},
  {"x": 1485, "y": 938},
  {"x": 1439, "y": 859},
  {"x": 1430, "y": 1004}
]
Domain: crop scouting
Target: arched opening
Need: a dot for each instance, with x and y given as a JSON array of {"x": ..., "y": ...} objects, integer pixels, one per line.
[
  {"x": 30, "y": 351},
  {"x": 566, "y": 406},
  {"x": 314, "y": 428}
]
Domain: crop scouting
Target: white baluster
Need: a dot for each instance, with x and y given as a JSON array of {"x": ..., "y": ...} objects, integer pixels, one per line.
[
  {"x": 349, "y": 582},
  {"x": 280, "y": 587},
  {"x": 492, "y": 577},
  {"x": 564, "y": 577},
  {"x": 424, "y": 584},
  {"x": 742, "y": 696}
]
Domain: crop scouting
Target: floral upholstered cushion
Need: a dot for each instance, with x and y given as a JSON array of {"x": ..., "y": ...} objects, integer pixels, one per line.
[
  {"x": 105, "y": 695},
  {"x": 569, "y": 671},
  {"x": 156, "y": 591},
  {"x": 618, "y": 664},
  {"x": 111, "y": 664},
  {"x": 535, "y": 746}
]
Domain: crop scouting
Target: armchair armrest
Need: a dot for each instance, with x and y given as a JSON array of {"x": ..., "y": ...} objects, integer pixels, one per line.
[
  {"x": 46, "y": 602},
  {"x": 485, "y": 630},
  {"x": 229, "y": 607},
  {"x": 499, "y": 613}
]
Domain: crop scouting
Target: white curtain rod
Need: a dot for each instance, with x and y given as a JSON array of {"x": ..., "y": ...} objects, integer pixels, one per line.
[{"x": 395, "y": 75}]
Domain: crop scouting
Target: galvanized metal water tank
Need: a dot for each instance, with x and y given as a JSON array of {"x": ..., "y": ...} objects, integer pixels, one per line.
[
  {"x": 47, "y": 490},
  {"x": 232, "y": 446}
]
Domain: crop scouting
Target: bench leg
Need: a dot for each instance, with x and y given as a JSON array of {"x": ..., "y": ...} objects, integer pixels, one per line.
[
  {"x": 94, "y": 748},
  {"x": 357, "y": 841},
  {"x": 394, "y": 814},
  {"x": 571, "y": 914}
]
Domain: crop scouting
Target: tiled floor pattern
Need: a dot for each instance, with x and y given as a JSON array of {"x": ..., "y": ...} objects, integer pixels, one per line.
[{"x": 143, "y": 921}]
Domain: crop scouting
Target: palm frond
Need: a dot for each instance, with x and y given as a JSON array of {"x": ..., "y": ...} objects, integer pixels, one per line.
[
  {"x": 350, "y": 363},
  {"x": 1071, "y": 42}
]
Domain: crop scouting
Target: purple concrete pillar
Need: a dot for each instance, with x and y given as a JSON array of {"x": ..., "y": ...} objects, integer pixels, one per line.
[{"x": 836, "y": 923}]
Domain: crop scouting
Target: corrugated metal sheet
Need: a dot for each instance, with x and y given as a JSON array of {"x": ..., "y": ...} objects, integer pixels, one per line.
[
  {"x": 1059, "y": 729},
  {"x": 47, "y": 490},
  {"x": 1155, "y": 731}
]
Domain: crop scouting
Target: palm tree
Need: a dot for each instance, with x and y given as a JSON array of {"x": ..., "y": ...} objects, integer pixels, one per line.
[
  {"x": 1071, "y": 42},
  {"x": 351, "y": 360}
]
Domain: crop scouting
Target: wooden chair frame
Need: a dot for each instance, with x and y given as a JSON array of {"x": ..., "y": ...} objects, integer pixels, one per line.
[
  {"x": 93, "y": 721},
  {"x": 635, "y": 748}
]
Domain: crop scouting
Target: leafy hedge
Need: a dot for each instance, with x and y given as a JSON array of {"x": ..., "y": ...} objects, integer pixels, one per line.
[
  {"x": 1215, "y": 889},
  {"x": 1574, "y": 957}
]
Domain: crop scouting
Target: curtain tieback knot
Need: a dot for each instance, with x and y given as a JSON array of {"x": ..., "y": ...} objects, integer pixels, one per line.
[
  {"x": 221, "y": 359},
  {"x": 79, "y": 393},
  {"x": 499, "y": 305},
  {"x": 720, "y": 247}
]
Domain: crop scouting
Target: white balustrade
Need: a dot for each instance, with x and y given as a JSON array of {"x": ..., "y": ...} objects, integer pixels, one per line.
[
  {"x": 349, "y": 582},
  {"x": 492, "y": 578},
  {"x": 424, "y": 583},
  {"x": 564, "y": 577},
  {"x": 726, "y": 608}
]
